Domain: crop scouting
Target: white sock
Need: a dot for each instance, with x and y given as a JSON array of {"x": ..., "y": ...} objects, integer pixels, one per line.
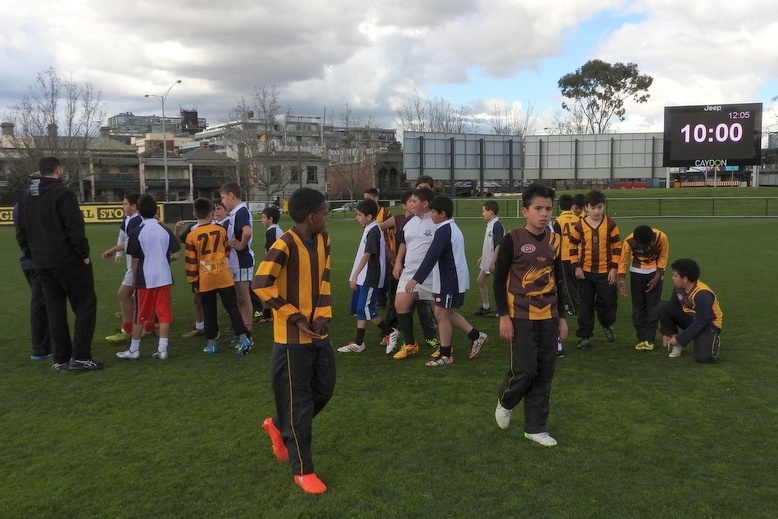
[
  {"x": 134, "y": 345},
  {"x": 200, "y": 325},
  {"x": 486, "y": 306},
  {"x": 162, "y": 344}
]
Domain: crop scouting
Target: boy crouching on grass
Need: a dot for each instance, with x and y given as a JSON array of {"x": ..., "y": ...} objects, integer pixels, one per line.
[
  {"x": 446, "y": 259},
  {"x": 530, "y": 301},
  {"x": 367, "y": 279},
  {"x": 294, "y": 279},
  {"x": 207, "y": 270},
  {"x": 152, "y": 247},
  {"x": 694, "y": 307}
]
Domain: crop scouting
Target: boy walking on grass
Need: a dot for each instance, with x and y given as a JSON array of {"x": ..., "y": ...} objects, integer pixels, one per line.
[
  {"x": 367, "y": 278},
  {"x": 415, "y": 240},
  {"x": 530, "y": 303},
  {"x": 207, "y": 271},
  {"x": 450, "y": 280},
  {"x": 646, "y": 250},
  {"x": 492, "y": 238},
  {"x": 152, "y": 247},
  {"x": 294, "y": 279},
  {"x": 694, "y": 307},
  {"x": 595, "y": 251}
]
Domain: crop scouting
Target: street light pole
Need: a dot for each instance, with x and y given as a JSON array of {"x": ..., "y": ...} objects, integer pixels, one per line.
[{"x": 164, "y": 136}]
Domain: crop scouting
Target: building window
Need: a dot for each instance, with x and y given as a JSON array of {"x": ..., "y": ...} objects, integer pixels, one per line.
[
  {"x": 275, "y": 174},
  {"x": 295, "y": 176},
  {"x": 312, "y": 176}
]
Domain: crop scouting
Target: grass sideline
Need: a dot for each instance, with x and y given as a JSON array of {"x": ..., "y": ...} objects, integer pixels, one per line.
[{"x": 640, "y": 435}]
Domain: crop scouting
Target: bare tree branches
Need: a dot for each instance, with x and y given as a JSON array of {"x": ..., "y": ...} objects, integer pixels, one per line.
[
  {"x": 59, "y": 116},
  {"x": 253, "y": 140},
  {"x": 433, "y": 115},
  {"x": 512, "y": 120}
]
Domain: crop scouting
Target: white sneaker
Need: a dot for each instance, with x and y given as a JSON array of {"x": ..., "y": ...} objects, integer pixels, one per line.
[
  {"x": 161, "y": 355},
  {"x": 391, "y": 340},
  {"x": 129, "y": 355},
  {"x": 675, "y": 351},
  {"x": 503, "y": 416},
  {"x": 352, "y": 347},
  {"x": 542, "y": 438}
]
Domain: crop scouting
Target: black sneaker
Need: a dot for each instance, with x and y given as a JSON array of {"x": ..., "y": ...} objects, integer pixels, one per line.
[
  {"x": 60, "y": 366},
  {"x": 483, "y": 311},
  {"x": 560, "y": 353},
  {"x": 610, "y": 333},
  {"x": 84, "y": 365},
  {"x": 583, "y": 344}
]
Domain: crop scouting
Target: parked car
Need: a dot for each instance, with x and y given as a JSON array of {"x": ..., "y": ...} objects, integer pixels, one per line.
[{"x": 348, "y": 206}]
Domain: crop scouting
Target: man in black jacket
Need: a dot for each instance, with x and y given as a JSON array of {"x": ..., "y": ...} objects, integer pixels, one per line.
[{"x": 51, "y": 227}]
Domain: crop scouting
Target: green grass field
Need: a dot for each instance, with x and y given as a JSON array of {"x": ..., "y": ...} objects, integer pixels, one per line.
[{"x": 640, "y": 435}]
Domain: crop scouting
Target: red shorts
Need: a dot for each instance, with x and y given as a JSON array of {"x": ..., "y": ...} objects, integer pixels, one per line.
[{"x": 153, "y": 301}]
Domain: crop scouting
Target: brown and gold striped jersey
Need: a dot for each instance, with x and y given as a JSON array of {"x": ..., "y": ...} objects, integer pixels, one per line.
[
  {"x": 294, "y": 280},
  {"x": 645, "y": 259},
  {"x": 562, "y": 225},
  {"x": 595, "y": 249},
  {"x": 205, "y": 254}
]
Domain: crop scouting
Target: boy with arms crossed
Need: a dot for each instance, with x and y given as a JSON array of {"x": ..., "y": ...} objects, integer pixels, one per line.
[
  {"x": 694, "y": 307},
  {"x": 241, "y": 258},
  {"x": 531, "y": 308},
  {"x": 451, "y": 278},
  {"x": 595, "y": 251},
  {"x": 649, "y": 249},
  {"x": 152, "y": 247},
  {"x": 367, "y": 278},
  {"x": 492, "y": 238},
  {"x": 294, "y": 279}
]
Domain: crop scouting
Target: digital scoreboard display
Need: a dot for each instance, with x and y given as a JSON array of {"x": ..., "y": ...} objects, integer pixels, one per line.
[{"x": 713, "y": 135}]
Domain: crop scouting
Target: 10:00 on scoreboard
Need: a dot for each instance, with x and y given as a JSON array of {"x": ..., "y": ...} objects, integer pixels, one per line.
[{"x": 729, "y": 133}]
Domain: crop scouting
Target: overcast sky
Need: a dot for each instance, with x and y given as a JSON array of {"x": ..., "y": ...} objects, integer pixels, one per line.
[{"x": 373, "y": 55}]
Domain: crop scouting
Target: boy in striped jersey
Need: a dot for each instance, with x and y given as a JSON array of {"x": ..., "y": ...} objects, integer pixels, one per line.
[
  {"x": 446, "y": 260},
  {"x": 646, "y": 250},
  {"x": 294, "y": 279},
  {"x": 530, "y": 303},
  {"x": 595, "y": 251},
  {"x": 208, "y": 272}
]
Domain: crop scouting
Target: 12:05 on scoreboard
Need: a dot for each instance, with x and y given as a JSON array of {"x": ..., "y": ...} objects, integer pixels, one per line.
[{"x": 720, "y": 135}]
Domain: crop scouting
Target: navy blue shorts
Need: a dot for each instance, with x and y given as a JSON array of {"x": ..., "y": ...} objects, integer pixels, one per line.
[{"x": 450, "y": 300}]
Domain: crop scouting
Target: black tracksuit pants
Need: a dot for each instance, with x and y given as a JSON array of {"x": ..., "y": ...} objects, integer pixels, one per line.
[
  {"x": 211, "y": 312},
  {"x": 645, "y": 311},
  {"x": 303, "y": 380},
  {"x": 596, "y": 296},
  {"x": 72, "y": 283},
  {"x": 531, "y": 370},
  {"x": 39, "y": 319}
]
